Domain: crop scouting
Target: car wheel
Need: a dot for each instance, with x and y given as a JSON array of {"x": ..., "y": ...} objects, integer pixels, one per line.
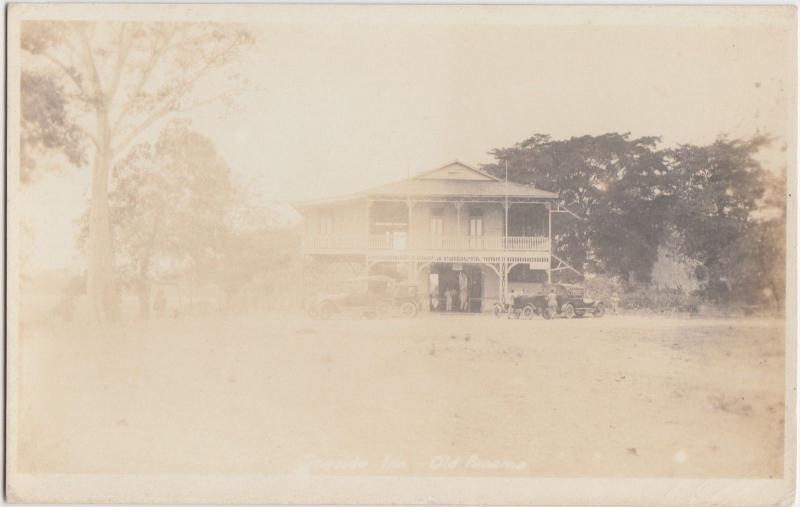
[
  {"x": 326, "y": 310},
  {"x": 408, "y": 309},
  {"x": 528, "y": 312},
  {"x": 383, "y": 310},
  {"x": 599, "y": 311},
  {"x": 568, "y": 310},
  {"x": 497, "y": 310}
]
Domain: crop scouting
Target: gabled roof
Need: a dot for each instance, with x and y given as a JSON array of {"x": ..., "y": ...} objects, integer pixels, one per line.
[
  {"x": 455, "y": 170},
  {"x": 458, "y": 188},
  {"x": 455, "y": 179}
]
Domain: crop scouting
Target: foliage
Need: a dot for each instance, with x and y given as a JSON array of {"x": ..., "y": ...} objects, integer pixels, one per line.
[
  {"x": 720, "y": 190},
  {"x": 114, "y": 81},
  {"x": 168, "y": 204},
  {"x": 632, "y": 198},
  {"x": 117, "y": 79},
  {"x": 180, "y": 219},
  {"x": 608, "y": 181},
  {"x": 46, "y": 126},
  {"x": 260, "y": 266},
  {"x": 661, "y": 299}
]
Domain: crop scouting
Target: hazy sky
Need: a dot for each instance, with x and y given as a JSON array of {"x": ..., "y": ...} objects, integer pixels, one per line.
[{"x": 387, "y": 97}]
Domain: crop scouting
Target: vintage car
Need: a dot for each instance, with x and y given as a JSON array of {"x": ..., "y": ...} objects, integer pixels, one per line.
[
  {"x": 571, "y": 302},
  {"x": 367, "y": 296}
]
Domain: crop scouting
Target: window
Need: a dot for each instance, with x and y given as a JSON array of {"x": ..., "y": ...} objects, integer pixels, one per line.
[
  {"x": 399, "y": 239},
  {"x": 326, "y": 225},
  {"x": 475, "y": 222},
  {"x": 476, "y": 226},
  {"x": 437, "y": 222},
  {"x": 437, "y": 226}
]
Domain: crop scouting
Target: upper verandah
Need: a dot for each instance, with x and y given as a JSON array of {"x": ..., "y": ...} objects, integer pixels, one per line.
[{"x": 451, "y": 181}]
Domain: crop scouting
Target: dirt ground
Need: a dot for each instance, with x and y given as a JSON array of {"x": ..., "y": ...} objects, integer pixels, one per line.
[{"x": 447, "y": 395}]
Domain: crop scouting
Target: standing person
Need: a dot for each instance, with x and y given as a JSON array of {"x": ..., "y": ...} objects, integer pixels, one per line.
[
  {"x": 463, "y": 295},
  {"x": 448, "y": 297},
  {"x": 434, "y": 298},
  {"x": 160, "y": 304},
  {"x": 615, "y": 303},
  {"x": 509, "y": 302},
  {"x": 552, "y": 303}
]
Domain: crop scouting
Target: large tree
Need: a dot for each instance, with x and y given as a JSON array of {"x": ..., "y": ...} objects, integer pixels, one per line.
[
  {"x": 169, "y": 203},
  {"x": 115, "y": 81},
  {"x": 610, "y": 182},
  {"x": 725, "y": 211},
  {"x": 731, "y": 215}
]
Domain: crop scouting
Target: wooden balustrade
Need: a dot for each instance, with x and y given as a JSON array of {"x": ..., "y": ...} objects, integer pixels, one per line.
[{"x": 429, "y": 243}]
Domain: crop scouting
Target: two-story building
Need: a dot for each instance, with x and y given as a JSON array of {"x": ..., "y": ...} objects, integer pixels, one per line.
[{"x": 464, "y": 235}]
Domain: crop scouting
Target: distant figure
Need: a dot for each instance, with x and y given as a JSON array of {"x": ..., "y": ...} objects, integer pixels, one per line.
[
  {"x": 552, "y": 303},
  {"x": 463, "y": 299},
  {"x": 615, "y": 303},
  {"x": 448, "y": 298},
  {"x": 160, "y": 303},
  {"x": 510, "y": 297}
]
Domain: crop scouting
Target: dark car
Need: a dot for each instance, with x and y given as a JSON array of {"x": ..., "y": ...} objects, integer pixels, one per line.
[
  {"x": 571, "y": 302},
  {"x": 367, "y": 296}
]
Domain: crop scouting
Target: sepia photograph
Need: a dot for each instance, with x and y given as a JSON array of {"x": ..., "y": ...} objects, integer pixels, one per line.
[{"x": 401, "y": 254}]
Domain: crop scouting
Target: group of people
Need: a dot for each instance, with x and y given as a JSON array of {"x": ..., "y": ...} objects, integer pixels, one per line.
[
  {"x": 552, "y": 301},
  {"x": 454, "y": 297},
  {"x": 511, "y": 295},
  {"x": 463, "y": 299}
]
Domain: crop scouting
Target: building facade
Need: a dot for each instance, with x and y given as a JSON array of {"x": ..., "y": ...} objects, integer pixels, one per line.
[{"x": 463, "y": 235}]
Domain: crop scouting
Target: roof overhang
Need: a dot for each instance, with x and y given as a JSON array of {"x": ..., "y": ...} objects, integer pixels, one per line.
[{"x": 312, "y": 203}]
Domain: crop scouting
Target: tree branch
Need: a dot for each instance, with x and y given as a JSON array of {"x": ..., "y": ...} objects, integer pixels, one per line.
[
  {"x": 154, "y": 117},
  {"x": 122, "y": 57},
  {"x": 67, "y": 71},
  {"x": 88, "y": 57},
  {"x": 171, "y": 102},
  {"x": 156, "y": 54},
  {"x": 212, "y": 99},
  {"x": 90, "y": 136}
]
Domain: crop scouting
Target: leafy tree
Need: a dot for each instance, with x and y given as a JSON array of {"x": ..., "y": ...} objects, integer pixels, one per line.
[
  {"x": 726, "y": 211},
  {"x": 115, "y": 81},
  {"x": 169, "y": 202},
  {"x": 259, "y": 258},
  {"x": 46, "y": 126},
  {"x": 721, "y": 190},
  {"x": 610, "y": 182}
]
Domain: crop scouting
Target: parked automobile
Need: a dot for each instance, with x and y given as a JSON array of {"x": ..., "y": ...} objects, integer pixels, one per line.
[
  {"x": 367, "y": 296},
  {"x": 571, "y": 302}
]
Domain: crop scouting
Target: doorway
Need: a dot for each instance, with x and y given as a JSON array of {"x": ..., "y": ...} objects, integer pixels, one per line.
[{"x": 455, "y": 288}]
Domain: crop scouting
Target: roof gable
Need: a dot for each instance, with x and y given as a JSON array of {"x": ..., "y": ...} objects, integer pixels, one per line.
[
  {"x": 455, "y": 171},
  {"x": 454, "y": 180}
]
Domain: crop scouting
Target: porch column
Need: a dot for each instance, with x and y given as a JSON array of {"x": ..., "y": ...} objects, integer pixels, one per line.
[
  {"x": 502, "y": 280},
  {"x": 410, "y": 203},
  {"x": 506, "y": 207},
  {"x": 366, "y": 222},
  {"x": 549, "y": 240},
  {"x": 505, "y": 275},
  {"x": 458, "y": 205}
]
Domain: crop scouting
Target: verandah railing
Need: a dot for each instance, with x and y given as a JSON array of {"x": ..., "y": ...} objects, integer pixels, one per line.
[{"x": 434, "y": 243}]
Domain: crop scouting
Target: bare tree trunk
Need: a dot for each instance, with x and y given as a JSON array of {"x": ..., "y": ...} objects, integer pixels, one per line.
[
  {"x": 144, "y": 299},
  {"x": 102, "y": 292},
  {"x": 143, "y": 286}
]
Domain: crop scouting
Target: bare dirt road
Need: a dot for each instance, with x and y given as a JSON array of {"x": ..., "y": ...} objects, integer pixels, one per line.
[{"x": 450, "y": 395}]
